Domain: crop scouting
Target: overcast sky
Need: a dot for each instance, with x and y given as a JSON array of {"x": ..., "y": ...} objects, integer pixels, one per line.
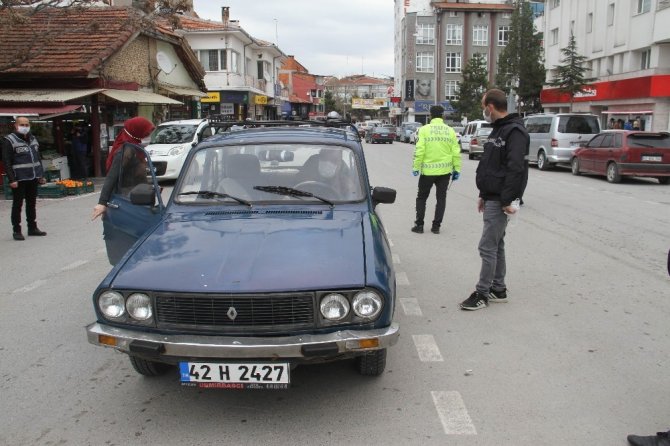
[{"x": 338, "y": 37}]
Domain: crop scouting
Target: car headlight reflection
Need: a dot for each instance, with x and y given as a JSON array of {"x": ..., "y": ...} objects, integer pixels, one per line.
[
  {"x": 112, "y": 304},
  {"x": 367, "y": 304},
  {"x": 334, "y": 307},
  {"x": 139, "y": 307},
  {"x": 176, "y": 151}
]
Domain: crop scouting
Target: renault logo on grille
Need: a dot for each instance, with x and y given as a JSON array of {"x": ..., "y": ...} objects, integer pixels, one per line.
[{"x": 232, "y": 313}]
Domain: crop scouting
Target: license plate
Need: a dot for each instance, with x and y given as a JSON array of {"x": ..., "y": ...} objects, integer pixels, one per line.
[
  {"x": 215, "y": 375},
  {"x": 652, "y": 158}
]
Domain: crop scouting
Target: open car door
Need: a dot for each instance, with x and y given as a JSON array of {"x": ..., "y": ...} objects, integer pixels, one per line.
[{"x": 135, "y": 204}]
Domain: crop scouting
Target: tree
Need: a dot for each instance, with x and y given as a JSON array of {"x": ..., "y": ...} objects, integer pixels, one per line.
[
  {"x": 328, "y": 101},
  {"x": 570, "y": 76},
  {"x": 475, "y": 83},
  {"x": 520, "y": 65},
  {"x": 17, "y": 13}
]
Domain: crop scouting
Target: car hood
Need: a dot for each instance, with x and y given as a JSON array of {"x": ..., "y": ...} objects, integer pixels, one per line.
[{"x": 251, "y": 253}]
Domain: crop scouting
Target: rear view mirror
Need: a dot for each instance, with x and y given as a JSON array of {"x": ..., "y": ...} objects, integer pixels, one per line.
[
  {"x": 143, "y": 194},
  {"x": 275, "y": 155}
]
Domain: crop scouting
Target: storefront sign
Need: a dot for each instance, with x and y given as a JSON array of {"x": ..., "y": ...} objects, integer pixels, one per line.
[
  {"x": 424, "y": 106},
  {"x": 587, "y": 92},
  {"x": 368, "y": 104},
  {"x": 236, "y": 97},
  {"x": 633, "y": 88},
  {"x": 395, "y": 99},
  {"x": 409, "y": 90},
  {"x": 262, "y": 100},
  {"x": 227, "y": 108},
  {"x": 212, "y": 96}
]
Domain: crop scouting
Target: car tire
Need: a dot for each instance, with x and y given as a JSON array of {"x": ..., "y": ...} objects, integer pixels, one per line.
[
  {"x": 390, "y": 142},
  {"x": 663, "y": 180},
  {"x": 148, "y": 368},
  {"x": 574, "y": 166},
  {"x": 471, "y": 156},
  {"x": 372, "y": 363},
  {"x": 542, "y": 162},
  {"x": 613, "y": 175}
]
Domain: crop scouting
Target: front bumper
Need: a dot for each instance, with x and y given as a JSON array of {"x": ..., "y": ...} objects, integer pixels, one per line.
[{"x": 173, "y": 348}]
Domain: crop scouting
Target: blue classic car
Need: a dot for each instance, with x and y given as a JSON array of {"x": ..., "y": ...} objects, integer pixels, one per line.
[{"x": 268, "y": 254}]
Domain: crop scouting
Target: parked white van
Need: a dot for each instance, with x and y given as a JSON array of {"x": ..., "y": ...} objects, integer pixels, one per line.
[
  {"x": 171, "y": 142},
  {"x": 553, "y": 136},
  {"x": 471, "y": 130}
]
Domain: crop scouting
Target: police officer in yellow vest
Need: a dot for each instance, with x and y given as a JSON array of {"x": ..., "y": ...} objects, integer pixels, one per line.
[
  {"x": 21, "y": 155},
  {"x": 437, "y": 158}
]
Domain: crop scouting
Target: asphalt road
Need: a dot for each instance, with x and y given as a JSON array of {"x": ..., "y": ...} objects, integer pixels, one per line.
[{"x": 579, "y": 356}]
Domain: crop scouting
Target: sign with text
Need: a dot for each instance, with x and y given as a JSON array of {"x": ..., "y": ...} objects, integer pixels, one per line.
[
  {"x": 424, "y": 106},
  {"x": 409, "y": 90},
  {"x": 368, "y": 104},
  {"x": 227, "y": 108},
  {"x": 261, "y": 100},
  {"x": 212, "y": 96}
]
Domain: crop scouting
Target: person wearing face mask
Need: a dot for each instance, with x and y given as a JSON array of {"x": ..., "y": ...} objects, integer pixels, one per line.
[
  {"x": 501, "y": 177},
  {"x": 437, "y": 158},
  {"x": 328, "y": 168},
  {"x": 21, "y": 155}
]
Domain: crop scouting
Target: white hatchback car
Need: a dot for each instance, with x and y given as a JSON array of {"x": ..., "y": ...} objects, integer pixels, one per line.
[{"x": 171, "y": 142}]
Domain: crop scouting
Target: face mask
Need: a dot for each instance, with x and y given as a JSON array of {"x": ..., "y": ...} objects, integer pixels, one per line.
[
  {"x": 327, "y": 169},
  {"x": 24, "y": 130},
  {"x": 487, "y": 116}
]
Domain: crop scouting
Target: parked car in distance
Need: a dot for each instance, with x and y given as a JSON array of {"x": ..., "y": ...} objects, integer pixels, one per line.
[
  {"x": 470, "y": 129},
  {"x": 269, "y": 254},
  {"x": 477, "y": 142},
  {"x": 380, "y": 135},
  {"x": 170, "y": 143},
  {"x": 414, "y": 136},
  {"x": 459, "y": 132},
  {"x": 623, "y": 153},
  {"x": 553, "y": 137},
  {"x": 406, "y": 130}
]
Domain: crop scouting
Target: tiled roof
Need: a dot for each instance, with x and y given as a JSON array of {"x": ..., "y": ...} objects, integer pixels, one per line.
[
  {"x": 473, "y": 6},
  {"x": 71, "y": 43},
  {"x": 198, "y": 24}
]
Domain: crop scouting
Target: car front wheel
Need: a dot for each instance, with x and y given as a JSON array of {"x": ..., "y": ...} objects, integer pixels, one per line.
[
  {"x": 613, "y": 175},
  {"x": 663, "y": 180},
  {"x": 575, "y": 166},
  {"x": 542, "y": 162},
  {"x": 372, "y": 363},
  {"x": 148, "y": 368}
]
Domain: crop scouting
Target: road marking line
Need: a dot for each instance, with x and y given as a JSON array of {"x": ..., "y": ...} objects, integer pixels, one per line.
[
  {"x": 453, "y": 414},
  {"x": 411, "y": 307},
  {"x": 30, "y": 286},
  {"x": 396, "y": 258},
  {"x": 74, "y": 265},
  {"x": 427, "y": 348},
  {"x": 401, "y": 278},
  {"x": 651, "y": 202}
]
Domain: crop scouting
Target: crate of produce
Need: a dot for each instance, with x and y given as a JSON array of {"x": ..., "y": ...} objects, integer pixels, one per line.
[
  {"x": 50, "y": 190},
  {"x": 75, "y": 187}
]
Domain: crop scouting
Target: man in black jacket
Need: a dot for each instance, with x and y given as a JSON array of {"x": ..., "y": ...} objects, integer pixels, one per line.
[
  {"x": 20, "y": 153},
  {"x": 501, "y": 177}
]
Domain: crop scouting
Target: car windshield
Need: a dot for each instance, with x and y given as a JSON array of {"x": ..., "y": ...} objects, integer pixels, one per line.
[
  {"x": 173, "y": 134},
  {"x": 271, "y": 173},
  {"x": 583, "y": 125},
  {"x": 657, "y": 141}
]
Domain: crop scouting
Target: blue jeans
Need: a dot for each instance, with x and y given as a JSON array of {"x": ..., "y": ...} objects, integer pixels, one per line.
[{"x": 492, "y": 248}]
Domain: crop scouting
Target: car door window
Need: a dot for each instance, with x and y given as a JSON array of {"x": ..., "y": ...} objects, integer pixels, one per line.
[
  {"x": 606, "y": 142},
  {"x": 133, "y": 169},
  {"x": 595, "y": 142},
  {"x": 618, "y": 141}
]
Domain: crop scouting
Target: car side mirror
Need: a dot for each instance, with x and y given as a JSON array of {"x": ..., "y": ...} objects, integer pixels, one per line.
[
  {"x": 143, "y": 194},
  {"x": 384, "y": 195}
]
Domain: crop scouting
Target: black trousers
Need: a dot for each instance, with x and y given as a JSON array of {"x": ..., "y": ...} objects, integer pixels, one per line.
[
  {"x": 26, "y": 190},
  {"x": 426, "y": 182}
]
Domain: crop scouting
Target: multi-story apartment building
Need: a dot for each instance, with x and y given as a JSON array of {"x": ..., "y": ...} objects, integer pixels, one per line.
[
  {"x": 434, "y": 41},
  {"x": 626, "y": 46},
  {"x": 305, "y": 90},
  {"x": 241, "y": 72},
  {"x": 364, "y": 95}
]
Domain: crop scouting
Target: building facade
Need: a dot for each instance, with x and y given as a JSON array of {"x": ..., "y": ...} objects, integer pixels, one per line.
[
  {"x": 365, "y": 96},
  {"x": 626, "y": 46},
  {"x": 433, "y": 43},
  {"x": 304, "y": 91}
]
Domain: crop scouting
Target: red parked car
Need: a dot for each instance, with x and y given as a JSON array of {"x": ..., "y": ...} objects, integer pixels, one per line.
[{"x": 624, "y": 153}]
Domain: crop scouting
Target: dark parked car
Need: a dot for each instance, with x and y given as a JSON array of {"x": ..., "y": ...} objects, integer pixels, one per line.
[
  {"x": 381, "y": 135},
  {"x": 622, "y": 153},
  {"x": 268, "y": 254}
]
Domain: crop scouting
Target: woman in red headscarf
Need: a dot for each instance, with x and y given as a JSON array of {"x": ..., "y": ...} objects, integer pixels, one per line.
[{"x": 134, "y": 131}]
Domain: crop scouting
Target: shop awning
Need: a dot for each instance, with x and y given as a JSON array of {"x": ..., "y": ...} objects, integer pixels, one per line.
[
  {"x": 183, "y": 91},
  {"x": 628, "y": 112},
  {"x": 44, "y": 95},
  {"x": 139, "y": 97},
  {"x": 41, "y": 112}
]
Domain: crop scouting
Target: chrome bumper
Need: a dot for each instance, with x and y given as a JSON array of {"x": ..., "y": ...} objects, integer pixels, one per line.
[{"x": 197, "y": 346}]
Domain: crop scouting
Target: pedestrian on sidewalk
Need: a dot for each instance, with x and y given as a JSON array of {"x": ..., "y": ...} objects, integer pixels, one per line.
[
  {"x": 437, "y": 159},
  {"x": 21, "y": 155},
  {"x": 501, "y": 177}
]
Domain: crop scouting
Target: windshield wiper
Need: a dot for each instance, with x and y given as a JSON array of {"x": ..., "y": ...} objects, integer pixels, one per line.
[
  {"x": 283, "y": 190},
  {"x": 211, "y": 194}
]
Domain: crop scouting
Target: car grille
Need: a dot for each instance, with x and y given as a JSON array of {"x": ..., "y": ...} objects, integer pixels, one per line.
[{"x": 258, "y": 313}]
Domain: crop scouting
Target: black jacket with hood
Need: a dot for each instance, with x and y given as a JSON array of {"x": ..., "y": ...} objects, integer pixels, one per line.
[{"x": 502, "y": 172}]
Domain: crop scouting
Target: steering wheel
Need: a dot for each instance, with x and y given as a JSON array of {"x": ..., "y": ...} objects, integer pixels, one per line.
[{"x": 318, "y": 188}]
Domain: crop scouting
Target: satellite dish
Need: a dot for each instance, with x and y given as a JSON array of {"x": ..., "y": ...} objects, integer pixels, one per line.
[{"x": 164, "y": 62}]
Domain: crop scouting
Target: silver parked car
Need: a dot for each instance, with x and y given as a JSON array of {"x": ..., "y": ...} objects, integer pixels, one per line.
[
  {"x": 406, "y": 130},
  {"x": 477, "y": 142},
  {"x": 553, "y": 137}
]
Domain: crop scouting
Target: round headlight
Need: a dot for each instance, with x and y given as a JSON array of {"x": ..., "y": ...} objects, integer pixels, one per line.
[
  {"x": 139, "y": 307},
  {"x": 334, "y": 307},
  {"x": 111, "y": 304},
  {"x": 367, "y": 304}
]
